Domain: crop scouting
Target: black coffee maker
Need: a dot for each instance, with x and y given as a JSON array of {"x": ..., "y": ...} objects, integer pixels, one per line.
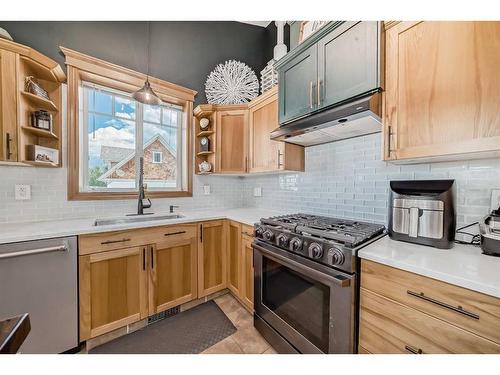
[{"x": 489, "y": 229}]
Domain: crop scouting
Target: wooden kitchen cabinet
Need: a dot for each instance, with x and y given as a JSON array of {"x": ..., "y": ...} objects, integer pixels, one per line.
[
  {"x": 442, "y": 98},
  {"x": 247, "y": 272},
  {"x": 212, "y": 257},
  {"x": 401, "y": 312},
  {"x": 8, "y": 106},
  {"x": 234, "y": 258},
  {"x": 232, "y": 140},
  {"x": 173, "y": 272},
  {"x": 113, "y": 290},
  {"x": 266, "y": 155}
]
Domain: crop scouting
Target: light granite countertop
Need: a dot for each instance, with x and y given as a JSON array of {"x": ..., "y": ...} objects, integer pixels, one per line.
[
  {"x": 462, "y": 265},
  {"x": 28, "y": 231}
]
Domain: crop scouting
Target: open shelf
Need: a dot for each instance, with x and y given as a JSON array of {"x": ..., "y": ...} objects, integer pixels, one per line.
[
  {"x": 40, "y": 71},
  {"x": 43, "y": 164},
  {"x": 205, "y": 133},
  {"x": 40, "y": 132},
  {"x": 40, "y": 102}
]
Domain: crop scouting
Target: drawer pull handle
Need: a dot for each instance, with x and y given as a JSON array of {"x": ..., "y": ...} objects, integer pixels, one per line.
[
  {"x": 174, "y": 233},
  {"x": 458, "y": 309},
  {"x": 115, "y": 241},
  {"x": 413, "y": 350},
  {"x": 248, "y": 234}
]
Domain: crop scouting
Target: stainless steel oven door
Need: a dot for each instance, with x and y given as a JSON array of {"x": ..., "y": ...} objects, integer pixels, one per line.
[{"x": 310, "y": 305}]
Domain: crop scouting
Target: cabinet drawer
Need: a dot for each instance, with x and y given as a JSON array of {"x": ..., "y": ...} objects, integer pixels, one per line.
[
  {"x": 247, "y": 230},
  {"x": 95, "y": 243},
  {"x": 472, "y": 311},
  {"x": 389, "y": 327}
]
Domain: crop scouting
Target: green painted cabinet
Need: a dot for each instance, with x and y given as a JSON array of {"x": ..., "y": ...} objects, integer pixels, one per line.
[
  {"x": 340, "y": 61},
  {"x": 297, "y": 85}
]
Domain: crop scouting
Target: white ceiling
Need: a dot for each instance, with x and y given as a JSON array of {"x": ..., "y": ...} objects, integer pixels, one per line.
[{"x": 257, "y": 23}]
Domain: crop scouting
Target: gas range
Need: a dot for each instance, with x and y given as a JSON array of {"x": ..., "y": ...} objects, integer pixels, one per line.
[{"x": 331, "y": 241}]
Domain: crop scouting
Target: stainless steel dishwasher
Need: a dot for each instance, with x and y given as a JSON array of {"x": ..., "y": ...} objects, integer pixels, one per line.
[{"x": 40, "y": 278}]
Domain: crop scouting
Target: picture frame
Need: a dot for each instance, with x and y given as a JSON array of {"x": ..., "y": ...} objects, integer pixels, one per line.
[{"x": 308, "y": 28}]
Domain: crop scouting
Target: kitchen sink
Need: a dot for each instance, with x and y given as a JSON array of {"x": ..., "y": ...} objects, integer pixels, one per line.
[{"x": 135, "y": 219}]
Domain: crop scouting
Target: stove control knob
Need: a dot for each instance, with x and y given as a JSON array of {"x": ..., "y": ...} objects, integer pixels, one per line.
[
  {"x": 295, "y": 244},
  {"x": 268, "y": 235},
  {"x": 336, "y": 256},
  {"x": 259, "y": 231},
  {"x": 282, "y": 240},
  {"x": 315, "y": 250}
]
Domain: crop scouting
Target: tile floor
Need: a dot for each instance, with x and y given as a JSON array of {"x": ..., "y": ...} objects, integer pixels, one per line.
[{"x": 246, "y": 339}]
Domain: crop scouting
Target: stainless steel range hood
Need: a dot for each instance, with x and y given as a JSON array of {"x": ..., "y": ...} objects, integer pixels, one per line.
[{"x": 354, "y": 118}]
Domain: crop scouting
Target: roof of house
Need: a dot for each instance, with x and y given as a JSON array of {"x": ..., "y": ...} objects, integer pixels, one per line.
[
  {"x": 109, "y": 172},
  {"x": 115, "y": 154}
]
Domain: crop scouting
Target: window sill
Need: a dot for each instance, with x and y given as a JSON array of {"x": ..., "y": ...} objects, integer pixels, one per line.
[{"x": 94, "y": 196}]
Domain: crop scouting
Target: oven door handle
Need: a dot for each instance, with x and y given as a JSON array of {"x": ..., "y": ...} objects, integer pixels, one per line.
[{"x": 338, "y": 280}]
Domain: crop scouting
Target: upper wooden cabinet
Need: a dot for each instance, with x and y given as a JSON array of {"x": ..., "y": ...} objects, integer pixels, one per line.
[
  {"x": 8, "y": 108},
  {"x": 231, "y": 154},
  {"x": 17, "y": 62},
  {"x": 266, "y": 155},
  {"x": 239, "y": 138},
  {"x": 340, "y": 61},
  {"x": 442, "y": 97}
]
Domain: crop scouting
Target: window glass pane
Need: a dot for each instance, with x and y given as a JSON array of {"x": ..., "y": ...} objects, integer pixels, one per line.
[
  {"x": 124, "y": 108},
  {"x": 162, "y": 172},
  {"x": 111, "y": 151},
  {"x": 102, "y": 102},
  {"x": 152, "y": 113}
]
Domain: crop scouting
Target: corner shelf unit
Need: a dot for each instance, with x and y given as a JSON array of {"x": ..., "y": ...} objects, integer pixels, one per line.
[
  {"x": 205, "y": 111},
  {"x": 49, "y": 75}
]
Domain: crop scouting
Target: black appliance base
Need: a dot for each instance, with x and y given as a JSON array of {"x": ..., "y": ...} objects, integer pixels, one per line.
[{"x": 272, "y": 337}]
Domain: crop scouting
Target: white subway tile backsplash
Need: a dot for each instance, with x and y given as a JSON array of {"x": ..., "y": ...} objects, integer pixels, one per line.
[{"x": 356, "y": 182}]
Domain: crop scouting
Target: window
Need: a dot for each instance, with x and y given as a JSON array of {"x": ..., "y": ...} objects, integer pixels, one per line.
[
  {"x": 111, "y": 132},
  {"x": 157, "y": 157}
]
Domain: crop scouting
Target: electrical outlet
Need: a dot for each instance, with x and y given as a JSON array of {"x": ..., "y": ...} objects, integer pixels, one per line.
[
  {"x": 22, "y": 192},
  {"x": 495, "y": 199},
  {"x": 257, "y": 192},
  {"x": 206, "y": 189}
]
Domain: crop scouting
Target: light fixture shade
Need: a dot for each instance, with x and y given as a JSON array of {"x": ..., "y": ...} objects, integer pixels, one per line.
[{"x": 146, "y": 95}]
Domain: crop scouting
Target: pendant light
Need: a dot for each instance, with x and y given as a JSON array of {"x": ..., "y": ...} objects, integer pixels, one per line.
[{"x": 146, "y": 95}]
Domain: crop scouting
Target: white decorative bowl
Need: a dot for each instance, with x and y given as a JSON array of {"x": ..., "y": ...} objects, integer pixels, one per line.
[{"x": 204, "y": 123}]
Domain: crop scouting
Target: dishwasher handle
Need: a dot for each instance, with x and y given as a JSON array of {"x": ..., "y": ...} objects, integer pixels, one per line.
[{"x": 34, "y": 251}]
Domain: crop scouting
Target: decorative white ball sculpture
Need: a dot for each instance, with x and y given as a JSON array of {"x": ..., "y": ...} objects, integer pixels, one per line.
[{"x": 231, "y": 83}]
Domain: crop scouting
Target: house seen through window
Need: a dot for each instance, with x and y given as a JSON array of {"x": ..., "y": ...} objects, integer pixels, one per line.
[{"x": 115, "y": 131}]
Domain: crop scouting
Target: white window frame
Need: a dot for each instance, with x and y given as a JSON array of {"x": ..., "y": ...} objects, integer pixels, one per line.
[{"x": 156, "y": 153}]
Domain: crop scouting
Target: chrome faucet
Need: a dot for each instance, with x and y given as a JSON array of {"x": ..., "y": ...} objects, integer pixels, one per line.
[{"x": 141, "y": 204}]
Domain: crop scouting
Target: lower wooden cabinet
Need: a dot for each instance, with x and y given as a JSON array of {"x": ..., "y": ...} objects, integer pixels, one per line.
[
  {"x": 212, "y": 257},
  {"x": 401, "y": 312},
  {"x": 173, "y": 273},
  {"x": 122, "y": 286},
  {"x": 113, "y": 290},
  {"x": 234, "y": 257},
  {"x": 247, "y": 272}
]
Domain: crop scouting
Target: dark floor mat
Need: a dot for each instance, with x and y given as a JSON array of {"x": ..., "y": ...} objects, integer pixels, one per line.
[{"x": 189, "y": 332}]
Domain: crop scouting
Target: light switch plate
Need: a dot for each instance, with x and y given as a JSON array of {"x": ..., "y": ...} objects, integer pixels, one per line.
[
  {"x": 22, "y": 192},
  {"x": 257, "y": 192},
  {"x": 206, "y": 189},
  {"x": 495, "y": 199}
]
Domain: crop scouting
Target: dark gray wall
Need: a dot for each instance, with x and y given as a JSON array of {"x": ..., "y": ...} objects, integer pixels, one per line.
[{"x": 181, "y": 52}]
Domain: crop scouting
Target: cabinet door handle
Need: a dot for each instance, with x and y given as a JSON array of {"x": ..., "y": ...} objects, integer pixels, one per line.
[
  {"x": 115, "y": 241},
  {"x": 152, "y": 257},
  {"x": 279, "y": 159},
  {"x": 201, "y": 232},
  {"x": 144, "y": 258},
  {"x": 320, "y": 82},
  {"x": 458, "y": 309},
  {"x": 413, "y": 350},
  {"x": 174, "y": 233},
  {"x": 311, "y": 95},
  {"x": 9, "y": 152}
]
